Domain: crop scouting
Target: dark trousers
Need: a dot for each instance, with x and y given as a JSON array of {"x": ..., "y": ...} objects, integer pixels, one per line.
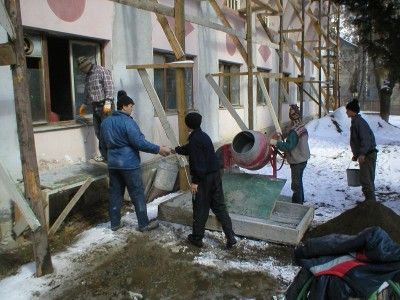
[
  {"x": 297, "y": 171},
  {"x": 132, "y": 180},
  {"x": 98, "y": 117},
  {"x": 367, "y": 176},
  {"x": 210, "y": 195}
]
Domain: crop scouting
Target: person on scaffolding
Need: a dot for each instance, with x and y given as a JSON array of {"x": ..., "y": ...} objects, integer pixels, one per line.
[
  {"x": 206, "y": 186},
  {"x": 297, "y": 152}
]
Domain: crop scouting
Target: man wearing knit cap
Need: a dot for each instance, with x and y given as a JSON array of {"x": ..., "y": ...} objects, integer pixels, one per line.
[
  {"x": 297, "y": 152},
  {"x": 206, "y": 186},
  {"x": 121, "y": 141},
  {"x": 99, "y": 93},
  {"x": 363, "y": 146}
]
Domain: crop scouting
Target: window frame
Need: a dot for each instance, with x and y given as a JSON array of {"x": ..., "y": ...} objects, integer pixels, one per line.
[
  {"x": 221, "y": 66},
  {"x": 267, "y": 85}
]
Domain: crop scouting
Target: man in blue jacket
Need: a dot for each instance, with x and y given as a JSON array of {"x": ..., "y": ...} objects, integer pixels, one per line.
[
  {"x": 121, "y": 141},
  {"x": 363, "y": 146},
  {"x": 206, "y": 186}
]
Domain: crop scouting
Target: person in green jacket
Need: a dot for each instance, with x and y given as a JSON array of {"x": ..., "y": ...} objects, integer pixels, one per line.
[{"x": 297, "y": 152}]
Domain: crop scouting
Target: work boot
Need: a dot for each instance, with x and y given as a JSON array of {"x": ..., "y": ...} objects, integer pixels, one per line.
[
  {"x": 153, "y": 224},
  {"x": 230, "y": 242},
  {"x": 194, "y": 242},
  {"x": 115, "y": 228}
]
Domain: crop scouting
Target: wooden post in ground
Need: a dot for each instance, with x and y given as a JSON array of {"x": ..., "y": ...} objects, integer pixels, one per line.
[
  {"x": 30, "y": 170},
  {"x": 180, "y": 85},
  {"x": 250, "y": 66}
]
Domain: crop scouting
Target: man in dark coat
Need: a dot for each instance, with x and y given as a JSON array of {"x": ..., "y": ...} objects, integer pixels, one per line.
[
  {"x": 363, "y": 146},
  {"x": 121, "y": 141},
  {"x": 206, "y": 185}
]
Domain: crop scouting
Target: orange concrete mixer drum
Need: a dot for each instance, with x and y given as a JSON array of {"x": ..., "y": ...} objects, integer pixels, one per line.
[{"x": 251, "y": 150}]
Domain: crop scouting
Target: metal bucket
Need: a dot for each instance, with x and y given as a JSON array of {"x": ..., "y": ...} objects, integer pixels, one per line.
[
  {"x": 353, "y": 177},
  {"x": 166, "y": 175},
  {"x": 251, "y": 150}
]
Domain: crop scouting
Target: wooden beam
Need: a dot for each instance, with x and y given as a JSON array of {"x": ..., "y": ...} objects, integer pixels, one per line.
[
  {"x": 173, "y": 65},
  {"x": 312, "y": 98},
  {"x": 5, "y": 22},
  {"x": 7, "y": 55},
  {"x": 149, "y": 6},
  {"x": 16, "y": 196},
  {"x": 70, "y": 205},
  {"x": 226, "y": 103},
  {"x": 296, "y": 10},
  {"x": 26, "y": 139},
  {"x": 269, "y": 104},
  {"x": 250, "y": 65},
  {"x": 291, "y": 30},
  {"x": 169, "y": 33},
  {"x": 225, "y": 21}
]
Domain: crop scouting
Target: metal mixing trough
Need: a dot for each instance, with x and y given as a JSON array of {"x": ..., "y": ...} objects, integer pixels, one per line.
[{"x": 252, "y": 199}]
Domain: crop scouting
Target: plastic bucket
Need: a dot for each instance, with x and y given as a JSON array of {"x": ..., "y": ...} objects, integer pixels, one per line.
[
  {"x": 167, "y": 172},
  {"x": 250, "y": 149},
  {"x": 353, "y": 177}
]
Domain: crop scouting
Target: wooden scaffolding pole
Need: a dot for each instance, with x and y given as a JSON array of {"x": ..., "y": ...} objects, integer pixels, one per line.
[
  {"x": 301, "y": 89},
  {"x": 280, "y": 63},
  {"x": 250, "y": 66},
  {"x": 320, "y": 61},
  {"x": 328, "y": 59},
  {"x": 30, "y": 171},
  {"x": 180, "y": 86}
]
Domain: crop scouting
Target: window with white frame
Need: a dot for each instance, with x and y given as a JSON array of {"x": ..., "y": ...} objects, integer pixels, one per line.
[
  {"x": 165, "y": 82},
  {"x": 229, "y": 83},
  {"x": 260, "y": 97},
  {"x": 55, "y": 83},
  {"x": 234, "y": 4}
]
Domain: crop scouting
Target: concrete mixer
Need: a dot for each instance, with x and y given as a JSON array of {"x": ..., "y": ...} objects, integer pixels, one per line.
[{"x": 250, "y": 150}]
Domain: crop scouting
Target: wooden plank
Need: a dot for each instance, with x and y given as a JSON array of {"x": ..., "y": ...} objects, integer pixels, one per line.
[
  {"x": 20, "y": 227},
  {"x": 296, "y": 10},
  {"x": 5, "y": 22},
  {"x": 173, "y": 65},
  {"x": 7, "y": 55},
  {"x": 269, "y": 104},
  {"x": 18, "y": 199},
  {"x": 316, "y": 93},
  {"x": 148, "y": 6},
  {"x": 70, "y": 205},
  {"x": 175, "y": 45},
  {"x": 291, "y": 30},
  {"x": 151, "y": 92},
  {"x": 284, "y": 92},
  {"x": 224, "y": 20},
  {"x": 226, "y": 102}
]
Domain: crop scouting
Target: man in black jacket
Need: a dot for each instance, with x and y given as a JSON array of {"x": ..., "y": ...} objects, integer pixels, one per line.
[
  {"x": 363, "y": 146},
  {"x": 206, "y": 185}
]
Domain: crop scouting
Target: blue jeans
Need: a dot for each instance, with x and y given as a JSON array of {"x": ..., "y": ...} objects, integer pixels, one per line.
[
  {"x": 132, "y": 180},
  {"x": 297, "y": 182}
]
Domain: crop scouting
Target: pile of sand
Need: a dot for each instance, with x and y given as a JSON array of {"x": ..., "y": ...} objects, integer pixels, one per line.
[{"x": 358, "y": 218}]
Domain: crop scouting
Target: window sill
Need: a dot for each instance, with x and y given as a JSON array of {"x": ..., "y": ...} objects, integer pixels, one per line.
[
  {"x": 234, "y": 106},
  {"x": 62, "y": 125}
]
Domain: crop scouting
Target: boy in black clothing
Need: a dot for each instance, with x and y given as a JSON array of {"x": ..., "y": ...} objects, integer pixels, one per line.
[{"x": 206, "y": 185}]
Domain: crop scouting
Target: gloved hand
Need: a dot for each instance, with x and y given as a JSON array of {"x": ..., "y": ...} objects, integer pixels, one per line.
[
  {"x": 107, "y": 107},
  {"x": 354, "y": 158},
  {"x": 82, "y": 110},
  {"x": 273, "y": 142}
]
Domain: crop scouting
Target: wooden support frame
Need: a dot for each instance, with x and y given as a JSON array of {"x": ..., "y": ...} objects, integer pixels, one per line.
[
  {"x": 16, "y": 196},
  {"x": 70, "y": 205},
  {"x": 151, "y": 92},
  {"x": 226, "y": 102},
  {"x": 269, "y": 104},
  {"x": 6, "y": 23},
  {"x": 173, "y": 65}
]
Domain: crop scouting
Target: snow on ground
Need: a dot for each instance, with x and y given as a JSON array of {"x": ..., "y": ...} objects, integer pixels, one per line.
[{"x": 325, "y": 187}]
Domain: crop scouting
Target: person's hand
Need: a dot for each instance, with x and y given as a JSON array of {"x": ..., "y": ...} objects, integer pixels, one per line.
[
  {"x": 107, "y": 107},
  {"x": 273, "y": 142},
  {"x": 173, "y": 151},
  {"x": 354, "y": 158},
  {"x": 82, "y": 110},
  {"x": 164, "y": 151},
  {"x": 193, "y": 188},
  {"x": 361, "y": 159}
]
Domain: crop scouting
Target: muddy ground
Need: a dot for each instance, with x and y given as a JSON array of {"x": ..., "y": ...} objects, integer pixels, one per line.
[{"x": 158, "y": 265}]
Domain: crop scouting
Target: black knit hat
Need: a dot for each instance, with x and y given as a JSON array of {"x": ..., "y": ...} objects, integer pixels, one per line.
[
  {"x": 353, "y": 106},
  {"x": 193, "y": 120},
  {"x": 123, "y": 99}
]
